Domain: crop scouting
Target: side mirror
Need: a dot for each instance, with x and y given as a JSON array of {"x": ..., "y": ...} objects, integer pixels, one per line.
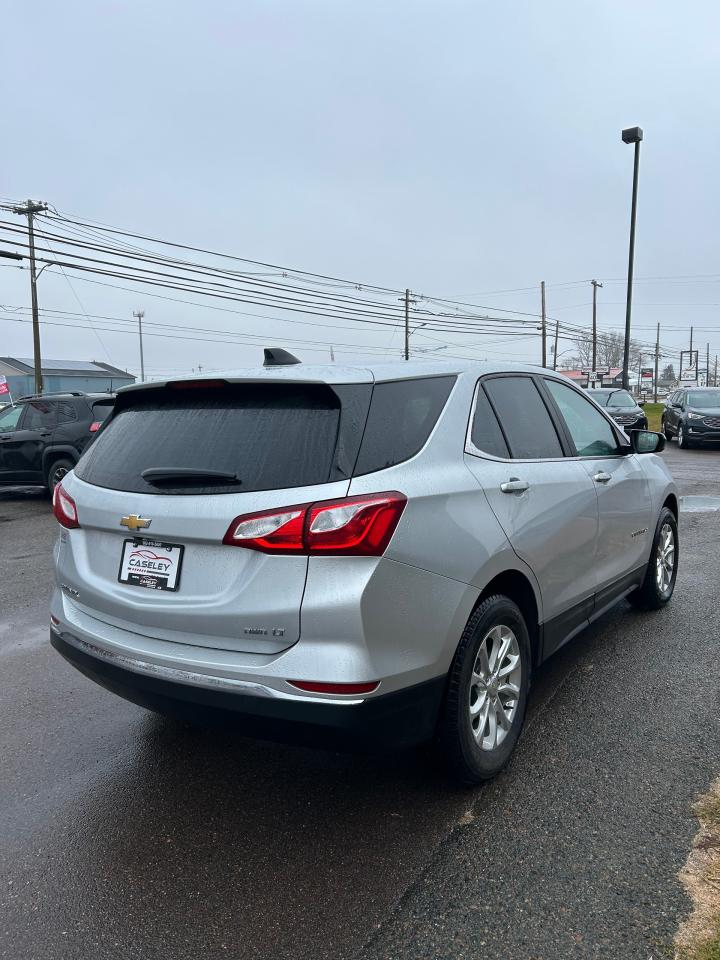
[
  {"x": 641, "y": 403},
  {"x": 646, "y": 441}
]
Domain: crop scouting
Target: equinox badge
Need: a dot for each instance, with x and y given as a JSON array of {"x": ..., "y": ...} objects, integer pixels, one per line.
[{"x": 134, "y": 522}]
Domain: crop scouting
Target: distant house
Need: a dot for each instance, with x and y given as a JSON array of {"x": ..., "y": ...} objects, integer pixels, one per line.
[{"x": 88, "y": 376}]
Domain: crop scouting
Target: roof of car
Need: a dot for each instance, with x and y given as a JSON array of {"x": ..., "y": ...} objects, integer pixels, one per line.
[{"x": 362, "y": 373}]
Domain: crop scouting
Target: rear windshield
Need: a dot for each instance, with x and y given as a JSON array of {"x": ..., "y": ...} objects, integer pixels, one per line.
[
  {"x": 269, "y": 436},
  {"x": 265, "y": 436},
  {"x": 101, "y": 409}
]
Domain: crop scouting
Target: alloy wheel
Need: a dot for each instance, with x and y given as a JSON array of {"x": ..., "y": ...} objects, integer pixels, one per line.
[
  {"x": 665, "y": 559},
  {"x": 495, "y": 687},
  {"x": 58, "y": 474}
]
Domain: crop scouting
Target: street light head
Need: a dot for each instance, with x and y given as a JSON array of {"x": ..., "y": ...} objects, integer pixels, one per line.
[{"x": 632, "y": 135}]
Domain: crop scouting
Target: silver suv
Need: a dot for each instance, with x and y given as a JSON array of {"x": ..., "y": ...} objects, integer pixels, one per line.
[{"x": 347, "y": 554}]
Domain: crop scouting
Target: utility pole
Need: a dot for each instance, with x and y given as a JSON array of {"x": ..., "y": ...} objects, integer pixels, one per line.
[
  {"x": 407, "y": 299},
  {"x": 715, "y": 377},
  {"x": 557, "y": 326},
  {"x": 595, "y": 285},
  {"x": 332, "y": 354},
  {"x": 140, "y": 314},
  {"x": 657, "y": 360},
  {"x": 29, "y": 210},
  {"x": 707, "y": 365},
  {"x": 544, "y": 324},
  {"x": 407, "y": 324}
]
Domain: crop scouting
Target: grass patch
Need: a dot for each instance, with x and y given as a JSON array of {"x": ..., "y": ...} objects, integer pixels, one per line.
[
  {"x": 653, "y": 411},
  {"x": 699, "y": 936}
]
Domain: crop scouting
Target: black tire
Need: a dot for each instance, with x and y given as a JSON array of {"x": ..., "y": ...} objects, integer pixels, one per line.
[
  {"x": 467, "y": 760},
  {"x": 666, "y": 430},
  {"x": 56, "y": 471},
  {"x": 683, "y": 442},
  {"x": 649, "y": 595}
]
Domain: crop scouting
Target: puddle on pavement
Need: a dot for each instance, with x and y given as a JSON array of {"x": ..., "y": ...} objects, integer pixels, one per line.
[{"x": 699, "y": 504}]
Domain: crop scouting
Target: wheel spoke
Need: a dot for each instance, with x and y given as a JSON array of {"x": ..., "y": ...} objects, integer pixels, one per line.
[
  {"x": 490, "y": 741},
  {"x": 508, "y": 689},
  {"x": 479, "y": 730},
  {"x": 480, "y": 701},
  {"x": 502, "y": 717}
]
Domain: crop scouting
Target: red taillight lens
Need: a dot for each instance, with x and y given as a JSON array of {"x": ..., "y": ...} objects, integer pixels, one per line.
[
  {"x": 94, "y": 427},
  {"x": 313, "y": 686},
  {"x": 64, "y": 509},
  {"x": 355, "y": 526}
]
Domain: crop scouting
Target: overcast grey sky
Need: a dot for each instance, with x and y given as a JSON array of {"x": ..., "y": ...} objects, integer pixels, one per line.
[{"x": 458, "y": 148}]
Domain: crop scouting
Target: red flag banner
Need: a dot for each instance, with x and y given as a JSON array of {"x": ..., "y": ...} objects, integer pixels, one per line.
[{"x": 4, "y": 386}]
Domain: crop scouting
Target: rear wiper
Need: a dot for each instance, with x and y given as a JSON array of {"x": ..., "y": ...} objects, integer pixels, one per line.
[{"x": 187, "y": 475}]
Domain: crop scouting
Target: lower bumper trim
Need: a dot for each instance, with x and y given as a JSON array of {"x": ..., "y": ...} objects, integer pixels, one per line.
[{"x": 390, "y": 721}]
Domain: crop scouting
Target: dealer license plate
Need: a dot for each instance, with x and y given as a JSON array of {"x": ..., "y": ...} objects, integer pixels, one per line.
[{"x": 151, "y": 564}]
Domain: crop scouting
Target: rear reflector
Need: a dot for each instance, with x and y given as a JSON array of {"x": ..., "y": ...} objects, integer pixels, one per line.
[
  {"x": 335, "y": 688},
  {"x": 94, "y": 427},
  {"x": 64, "y": 509},
  {"x": 352, "y": 526}
]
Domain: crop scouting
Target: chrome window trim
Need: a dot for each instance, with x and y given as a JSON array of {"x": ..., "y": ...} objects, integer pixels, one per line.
[{"x": 474, "y": 451}]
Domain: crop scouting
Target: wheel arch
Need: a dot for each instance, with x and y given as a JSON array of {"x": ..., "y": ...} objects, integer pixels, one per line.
[
  {"x": 517, "y": 587},
  {"x": 671, "y": 502}
]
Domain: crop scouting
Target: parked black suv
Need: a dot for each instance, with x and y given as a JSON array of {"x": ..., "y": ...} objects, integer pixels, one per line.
[
  {"x": 622, "y": 407},
  {"x": 42, "y": 437},
  {"x": 693, "y": 416}
]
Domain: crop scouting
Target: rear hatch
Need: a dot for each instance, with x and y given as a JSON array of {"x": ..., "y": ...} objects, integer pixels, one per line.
[{"x": 189, "y": 458}]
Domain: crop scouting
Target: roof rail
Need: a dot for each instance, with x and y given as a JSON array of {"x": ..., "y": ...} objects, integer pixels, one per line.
[{"x": 59, "y": 393}]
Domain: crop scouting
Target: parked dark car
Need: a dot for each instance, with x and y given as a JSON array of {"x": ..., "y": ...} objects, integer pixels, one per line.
[
  {"x": 42, "y": 437},
  {"x": 693, "y": 416},
  {"x": 622, "y": 407}
]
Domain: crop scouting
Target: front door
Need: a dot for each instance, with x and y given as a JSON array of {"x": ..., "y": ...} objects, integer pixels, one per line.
[
  {"x": 625, "y": 528},
  {"x": 25, "y": 445},
  {"x": 10, "y": 419}
]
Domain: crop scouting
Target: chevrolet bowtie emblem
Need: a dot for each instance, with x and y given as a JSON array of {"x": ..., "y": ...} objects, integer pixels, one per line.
[{"x": 134, "y": 522}]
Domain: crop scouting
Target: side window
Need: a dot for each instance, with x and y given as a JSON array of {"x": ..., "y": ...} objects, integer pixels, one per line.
[
  {"x": 41, "y": 415},
  {"x": 525, "y": 420},
  {"x": 66, "y": 412},
  {"x": 486, "y": 434},
  {"x": 9, "y": 419},
  {"x": 591, "y": 433},
  {"x": 402, "y": 415}
]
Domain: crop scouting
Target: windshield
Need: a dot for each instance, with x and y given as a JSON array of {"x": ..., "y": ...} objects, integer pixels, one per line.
[
  {"x": 612, "y": 398},
  {"x": 704, "y": 398}
]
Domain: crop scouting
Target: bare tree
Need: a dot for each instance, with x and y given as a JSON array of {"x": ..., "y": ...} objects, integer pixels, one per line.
[{"x": 610, "y": 347}]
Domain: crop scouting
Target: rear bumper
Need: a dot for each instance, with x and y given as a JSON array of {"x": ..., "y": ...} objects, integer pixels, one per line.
[{"x": 391, "y": 721}]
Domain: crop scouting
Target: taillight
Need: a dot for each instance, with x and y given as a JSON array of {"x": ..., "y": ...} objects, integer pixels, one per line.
[
  {"x": 272, "y": 531},
  {"x": 64, "y": 509},
  {"x": 355, "y": 526},
  {"x": 94, "y": 427}
]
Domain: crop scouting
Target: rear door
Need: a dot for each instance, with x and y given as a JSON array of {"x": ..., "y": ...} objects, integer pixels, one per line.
[
  {"x": 623, "y": 491},
  {"x": 286, "y": 444},
  {"x": 545, "y": 502}
]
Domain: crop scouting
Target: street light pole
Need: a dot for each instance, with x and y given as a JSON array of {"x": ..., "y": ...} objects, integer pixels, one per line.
[
  {"x": 139, "y": 314},
  {"x": 631, "y": 135}
]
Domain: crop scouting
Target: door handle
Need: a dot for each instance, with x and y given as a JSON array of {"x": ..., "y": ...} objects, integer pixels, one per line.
[
  {"x": 514, "y": 485},
  {"x": 602, "y": 477}
]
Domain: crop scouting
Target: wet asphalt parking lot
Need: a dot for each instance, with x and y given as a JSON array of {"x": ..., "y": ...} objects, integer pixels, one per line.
[{"x": 126, "y": 835}]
